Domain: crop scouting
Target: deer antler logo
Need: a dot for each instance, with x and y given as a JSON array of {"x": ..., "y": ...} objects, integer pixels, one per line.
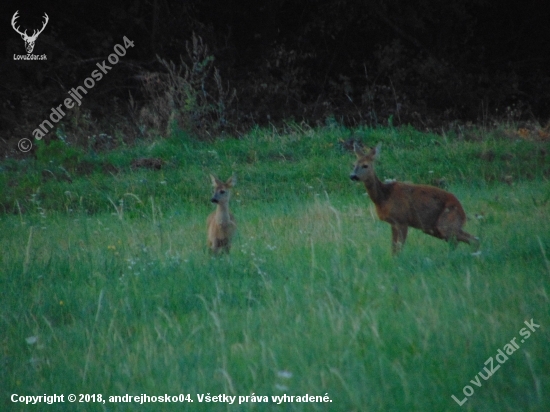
[{"x": 29, "y": 40}]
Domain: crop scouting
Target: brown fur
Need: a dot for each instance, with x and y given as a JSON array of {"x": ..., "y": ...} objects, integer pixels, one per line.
[
  {"x": 430, "y": 209},
  {"x": 221, "y": 223}
]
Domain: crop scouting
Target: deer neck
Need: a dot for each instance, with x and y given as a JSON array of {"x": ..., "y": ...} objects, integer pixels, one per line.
[
  {"x": 374, "y": 188},
  {"x": 222, "y": 213}
]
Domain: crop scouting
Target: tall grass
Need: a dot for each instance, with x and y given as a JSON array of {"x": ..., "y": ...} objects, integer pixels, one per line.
[{"x": 127, "y": 300}]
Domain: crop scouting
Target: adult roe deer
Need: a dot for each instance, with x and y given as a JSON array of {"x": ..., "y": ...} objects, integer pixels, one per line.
[
  {"x": 221, "y": 223},
  {"x": 430, "y": 209}
]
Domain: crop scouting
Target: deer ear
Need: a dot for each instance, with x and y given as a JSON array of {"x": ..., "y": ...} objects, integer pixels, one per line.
[
  {"x": 232, "y": 181},
  {"x": 214, "y": 180},
  {"x": 358, "y": 150}
]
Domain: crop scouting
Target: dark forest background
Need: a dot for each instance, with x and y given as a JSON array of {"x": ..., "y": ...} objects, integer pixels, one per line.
[{"x": 223, "y": 66}]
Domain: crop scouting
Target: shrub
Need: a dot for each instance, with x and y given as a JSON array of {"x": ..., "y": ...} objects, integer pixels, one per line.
[{"x": 191, "y": 96}]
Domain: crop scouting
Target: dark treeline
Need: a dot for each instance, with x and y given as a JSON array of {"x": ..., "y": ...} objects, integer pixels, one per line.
[{"x": 428, "y": 63}]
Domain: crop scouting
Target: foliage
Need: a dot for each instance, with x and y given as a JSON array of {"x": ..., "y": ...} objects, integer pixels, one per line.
[
  {"x": 429, "y": 64},
  {"x": 191, "y": 96},
  {"x": 60, "y": 153}
]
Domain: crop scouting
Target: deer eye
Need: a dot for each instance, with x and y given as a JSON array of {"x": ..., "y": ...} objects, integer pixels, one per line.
[
  {"x": 365, "y": 166},
  {"x": 222, "y": 192}
]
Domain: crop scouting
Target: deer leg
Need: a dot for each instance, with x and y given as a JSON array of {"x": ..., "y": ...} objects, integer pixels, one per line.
[
  {"x": 467, "y": 238},
  {"x": 399, "y": 235},
  {"x": 450, "y": 225}
]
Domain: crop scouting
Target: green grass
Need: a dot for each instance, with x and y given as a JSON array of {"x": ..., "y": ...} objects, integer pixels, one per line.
[{"x": 122, "y": 298}]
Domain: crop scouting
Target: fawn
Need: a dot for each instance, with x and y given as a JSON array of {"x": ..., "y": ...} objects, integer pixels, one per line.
[
  {"x": 430, "y": 209},
  {"x": 221, "y": 223}
]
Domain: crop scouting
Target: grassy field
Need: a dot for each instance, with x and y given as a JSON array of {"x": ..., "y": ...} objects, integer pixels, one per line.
[{"x": 107, "y": 288}]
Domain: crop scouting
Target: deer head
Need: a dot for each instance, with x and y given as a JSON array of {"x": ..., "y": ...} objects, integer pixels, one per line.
[
  {"x": 29, "y": 40},
  {"x": 221, "y": 189},
  {"x": 363, "y": 169}
]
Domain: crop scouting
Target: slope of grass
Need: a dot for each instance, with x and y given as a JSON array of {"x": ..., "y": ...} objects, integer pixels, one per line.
[
  {"x": 267, "y": 164},
  {"x": 107, "y": 297}
]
